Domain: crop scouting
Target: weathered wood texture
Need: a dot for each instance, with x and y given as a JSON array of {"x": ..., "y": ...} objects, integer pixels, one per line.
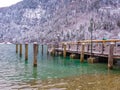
[
  {"x": 99, "y": 47},
  {"x": 26, "y": 51},
  {"x": 110, "y": 56},
  {"x": 16, "y": 48},
  {"x": 35, "y": 55},
  {"x": 20, "y": 50}
]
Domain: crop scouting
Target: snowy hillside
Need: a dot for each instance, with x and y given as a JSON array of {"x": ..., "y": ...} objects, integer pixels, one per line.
[{"x": 59, "y": 20}]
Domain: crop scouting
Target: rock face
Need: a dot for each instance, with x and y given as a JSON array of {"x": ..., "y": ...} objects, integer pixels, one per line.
[{"x": 48, "y": 21}]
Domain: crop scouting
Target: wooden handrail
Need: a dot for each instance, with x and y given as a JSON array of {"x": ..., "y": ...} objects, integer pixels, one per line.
[{"x": 94, "y": 41}]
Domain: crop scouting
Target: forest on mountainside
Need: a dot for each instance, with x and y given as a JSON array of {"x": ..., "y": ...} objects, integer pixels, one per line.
[{"x": 47, "y": 21}]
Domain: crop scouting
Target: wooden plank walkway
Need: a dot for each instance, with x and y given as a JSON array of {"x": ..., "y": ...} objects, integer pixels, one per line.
[
  {"x": 116, "y": 56},
  {"x": 100, "y": 48}
]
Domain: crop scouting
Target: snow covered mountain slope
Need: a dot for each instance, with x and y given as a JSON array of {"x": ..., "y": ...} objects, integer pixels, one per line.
[{"x": 47, "y": 21}]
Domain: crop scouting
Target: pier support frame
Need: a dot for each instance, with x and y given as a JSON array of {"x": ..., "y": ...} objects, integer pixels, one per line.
[
  {"x": 92, "y": 60},
  {"x": 82, "y": 52},
  {"x": 35, "y": 54},
  {"x": 26, "y": 51},
  {"x": 64, "y": 50},
  {"x": 110, "y": 56},
  {"x": 53, "y": 50},
  {"x": 16, "y": 48},
  {"x": 20, "y": 50},
  {"x": 37, "y": 48},
  {"x": 47, "y": 49},
  {"x": 42, "y": 48}
]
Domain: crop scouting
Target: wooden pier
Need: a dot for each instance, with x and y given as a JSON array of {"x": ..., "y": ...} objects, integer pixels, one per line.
[
  {"x": 35, "y": 52},
  {"x": 109, "y": 49}
]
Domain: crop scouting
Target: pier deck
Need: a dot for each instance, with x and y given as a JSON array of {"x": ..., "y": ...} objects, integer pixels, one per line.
[{"x": 100, "y": 48}]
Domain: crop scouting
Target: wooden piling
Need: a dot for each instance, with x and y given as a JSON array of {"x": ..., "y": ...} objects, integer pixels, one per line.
[
  {"x": 64, "y": 50},
  {"x": 16, "y": 48},
  {"x": 69, "y": 46},
  {"x": 47, "y": 50},
  {"x": 20, "y": 50},
  {"x": 92, "y": 60},
  {"x": 42, "y": 49},
  {"x": 26, "y": 51},
  {"x": 73, "y": 56},
  {"x": 103, "y": 48},
  {"x": 35, "y": 54},
  {"x": 110, "y": 56},
  {"x": 53, "y": 50},
  {"x": 82, "y": 52},
  {"x": 37, "y": 47},
  {"x": 88, "y": 47},
  {"x": 77, "y": 46}
]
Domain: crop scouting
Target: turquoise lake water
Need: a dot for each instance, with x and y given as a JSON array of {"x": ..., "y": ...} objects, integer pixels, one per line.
[{"x": 14, "y": 69}]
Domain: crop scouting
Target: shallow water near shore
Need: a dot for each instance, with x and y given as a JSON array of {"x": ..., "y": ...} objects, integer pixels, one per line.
[{"x": 53, "y": 73}]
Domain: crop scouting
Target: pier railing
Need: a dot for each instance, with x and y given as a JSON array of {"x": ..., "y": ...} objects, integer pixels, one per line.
[
  {"x": 103, "y": 48},
  {"x": 98, "y": 46}
]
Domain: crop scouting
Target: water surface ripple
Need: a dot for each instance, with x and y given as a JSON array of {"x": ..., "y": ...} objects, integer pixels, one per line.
[{"x": 53, "y": 73}]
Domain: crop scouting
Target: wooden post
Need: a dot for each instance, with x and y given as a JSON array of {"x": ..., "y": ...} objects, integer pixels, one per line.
[
  {"x": 64, "y": 50},
  {"x": 103, "y": 47},
  {"x": 52, "y": 51},
  {"x": 42, "y": 48},
  {"x": 26, "y": 51},
  {"x": 68, "y": 46},
  {"x": 35, "y": 55},
  {"x": 20, "y": 50},
  {"x": 88, "y": 47},
  {"x": 37, "y": 47},
  {"x": 110, "y": 56},
  {"x": 16, "y": 48},
  {"x": 47, "y": 50},
  {"x": 115, "y": 47},
  {"x": 62, "y": 45},
  {"x": 77, "y": 46},
  {"x": 82, "y": 52}
]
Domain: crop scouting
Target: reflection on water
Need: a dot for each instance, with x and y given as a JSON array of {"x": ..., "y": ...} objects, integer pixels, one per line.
[{"x": 53, "y": 73}]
